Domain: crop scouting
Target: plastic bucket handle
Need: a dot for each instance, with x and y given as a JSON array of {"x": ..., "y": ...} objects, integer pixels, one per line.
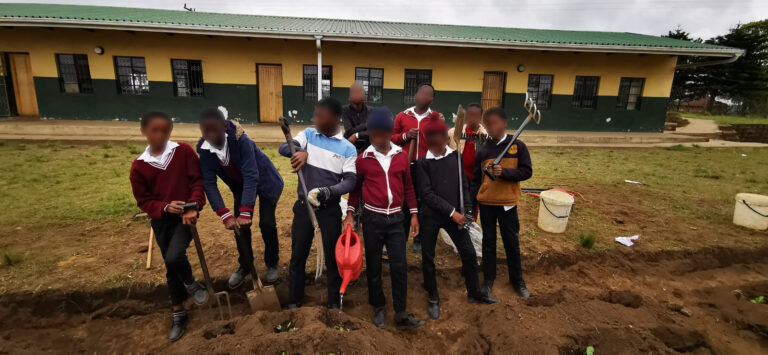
[
  {"x": 553, "y": 214},
  {"x": 753, "y": 210}
]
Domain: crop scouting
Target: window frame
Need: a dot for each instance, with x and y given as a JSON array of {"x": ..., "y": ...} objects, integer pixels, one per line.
[
  {"x": 579, "y": 99},
  {"x": 136, "y": 86},
  {"x": 310, "y": 89},
  {"x": 536, "y": 96},
  {"x": 189, "y": 78},
  {"x": 367, "y": 85},
  {"x": 622, "y": 99},
  {"x": 409, "y": 92},
  {"x": 82, "y": 73}
]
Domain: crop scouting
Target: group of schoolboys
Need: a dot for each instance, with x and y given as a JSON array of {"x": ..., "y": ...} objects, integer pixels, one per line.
[{"x": 402, "y": 177}]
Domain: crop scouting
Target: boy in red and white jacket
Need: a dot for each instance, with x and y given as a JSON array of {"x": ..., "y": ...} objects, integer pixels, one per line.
[
  {"x": 383, "y": 182},
  {"x": 164, "y": 178}
]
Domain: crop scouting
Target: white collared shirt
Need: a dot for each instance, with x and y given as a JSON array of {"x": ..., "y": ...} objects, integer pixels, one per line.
[
  {"x": 419, "y": 117},
  {"x": 159, "y": 161},
  {"x": 385, "y": 160},
  {"x": 448, "y": 151},
  {"x": 221, "y": 153}
]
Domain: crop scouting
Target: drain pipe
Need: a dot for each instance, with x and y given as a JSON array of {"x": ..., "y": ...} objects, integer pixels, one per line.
[
  {"x": 732, "y": 59},
  {"x": 319, "y": 45}
]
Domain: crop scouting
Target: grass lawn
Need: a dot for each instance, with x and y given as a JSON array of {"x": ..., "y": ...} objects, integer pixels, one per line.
[
  {"x": 725, "y": 119},
  {"x": 69, "y": 208}
]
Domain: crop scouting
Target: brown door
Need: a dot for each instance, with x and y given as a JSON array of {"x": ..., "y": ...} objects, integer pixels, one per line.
[
  {"x": 493, "y": 89},
  {"x": 23, "y": 85},
  {"x": 270, "y": 92}
]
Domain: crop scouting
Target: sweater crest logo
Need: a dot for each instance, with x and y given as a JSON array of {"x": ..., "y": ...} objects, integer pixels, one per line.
[{"x": 512, "y": 149}]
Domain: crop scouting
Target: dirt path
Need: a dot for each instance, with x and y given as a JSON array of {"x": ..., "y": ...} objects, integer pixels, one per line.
[{"x": 620, "y": 303}]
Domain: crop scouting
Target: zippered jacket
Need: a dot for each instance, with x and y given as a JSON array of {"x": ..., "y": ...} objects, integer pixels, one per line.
[{"x": 382, "y": 191}]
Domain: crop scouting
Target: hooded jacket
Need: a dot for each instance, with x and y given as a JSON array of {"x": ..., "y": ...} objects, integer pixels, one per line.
[{"x": 248, "y": 173}]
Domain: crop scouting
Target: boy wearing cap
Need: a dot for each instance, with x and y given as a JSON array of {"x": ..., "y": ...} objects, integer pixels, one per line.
[
  {"x": 438, "y": 185},
  {"x": 383, "y": 184}
]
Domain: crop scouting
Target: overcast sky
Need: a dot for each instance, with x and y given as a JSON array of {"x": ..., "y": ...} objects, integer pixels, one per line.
[{"x": 702, "y": 18}]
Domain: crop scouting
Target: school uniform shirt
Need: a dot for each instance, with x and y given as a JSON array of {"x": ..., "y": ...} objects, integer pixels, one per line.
[
  {"x": 468, "y": 146},
  {"x": 173, "y": 175},
  {"x": 516, "y": 167},
  {"x": 383, "y": 182},
  {"x": 404, "y": 122},
  {"x": 438, "y": 184},
  {"x": 243, "y": 167},
  {"x": 330, "y": 161}
]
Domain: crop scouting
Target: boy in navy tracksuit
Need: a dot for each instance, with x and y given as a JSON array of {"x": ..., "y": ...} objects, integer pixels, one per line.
[
  {"x": 328, "y": 163},
  {"x": 383, "y": 184},
  {"x": 164, "y": 178},
  {"x": 227, "y": 152},
  {"x": 438, "y": 185}
]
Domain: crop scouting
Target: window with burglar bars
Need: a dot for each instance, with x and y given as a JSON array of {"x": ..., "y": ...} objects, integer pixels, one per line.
[
  {"x": 630, "y": 92},
  {"x": 585, "y": 92},
  {"x": 131, "y": 75},
  {"x": 373, "y": 83},
  {"x": 310, "y": 81},
  {"x": 413, "y": 79},
  {"x": 74, "y": 74},
  {"x": 540, "y": 90},
  {"x": 187, "y": 77}
]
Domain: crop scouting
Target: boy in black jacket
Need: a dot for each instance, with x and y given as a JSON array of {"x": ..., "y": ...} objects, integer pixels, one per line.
[
  {"x": 498, "y": 198},
  {"x": 438, "y": 184}
]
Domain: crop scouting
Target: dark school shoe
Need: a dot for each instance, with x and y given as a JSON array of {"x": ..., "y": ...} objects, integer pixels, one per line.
[
  {"x": 520, "y": 289},
  {"x": 237, "y": 278},
  {"x": 486, "y": 288},
  {"x": 198, "y": 293},
  {"x": 482, "y": 299},
  {"x": 178, "y": 325},
  {"x": 433, "y": 309},
  {"x": 407, "y": 322},
  {"x": 380, "y": 317},
  {"x": 273, "y": 274}
]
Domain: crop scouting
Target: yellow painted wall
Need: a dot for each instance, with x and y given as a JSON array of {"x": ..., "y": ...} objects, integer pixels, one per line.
[{"x": 232, "y": 60}]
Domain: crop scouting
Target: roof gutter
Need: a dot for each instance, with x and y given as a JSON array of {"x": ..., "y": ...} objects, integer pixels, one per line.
[
  {"x": 730, "y": 60},
  {"x": 450, "y": 42}
]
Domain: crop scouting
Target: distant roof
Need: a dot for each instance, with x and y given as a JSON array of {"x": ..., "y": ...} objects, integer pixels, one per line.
[{"x": 121, "y": 18}]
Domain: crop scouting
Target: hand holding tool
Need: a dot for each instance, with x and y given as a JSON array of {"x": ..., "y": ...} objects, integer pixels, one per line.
[{"x": 533, "y": 114}]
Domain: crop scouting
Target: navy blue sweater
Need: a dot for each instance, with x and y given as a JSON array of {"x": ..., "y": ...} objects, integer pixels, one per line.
[{"x": 249, "y": 173}]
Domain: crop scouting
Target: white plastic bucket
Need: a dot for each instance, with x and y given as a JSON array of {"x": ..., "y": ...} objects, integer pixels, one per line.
[
  {"x": 751, "y": 211},
  {"x": 554, "y": 209}
]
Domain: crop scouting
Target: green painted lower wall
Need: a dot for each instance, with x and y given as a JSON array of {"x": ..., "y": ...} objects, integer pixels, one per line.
[
  {"x": 242, "y": 102},
  {"x": 105, "y": 103}
]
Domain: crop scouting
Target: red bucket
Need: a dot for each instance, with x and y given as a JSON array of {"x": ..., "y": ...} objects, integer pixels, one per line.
[{"x": 349, "y": 257}]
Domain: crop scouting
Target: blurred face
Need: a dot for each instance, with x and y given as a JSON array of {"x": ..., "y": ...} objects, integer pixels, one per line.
[
  {"x": 437, "y": 141},
  {"x": 157, "y": 132},
  {"x": 325, "y": 120},
  {"x": 495, "y": 126},
  {"x": 213, "y": 130},
  {"x": 424, "y": 96},
  {"x": 473, "y": 117},
  {"x": 380, "y": 138},
  {"x": 357, "y": 94}
]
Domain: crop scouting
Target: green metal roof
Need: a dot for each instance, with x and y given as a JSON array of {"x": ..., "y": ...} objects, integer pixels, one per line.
[{"x": 346, "y": 30}]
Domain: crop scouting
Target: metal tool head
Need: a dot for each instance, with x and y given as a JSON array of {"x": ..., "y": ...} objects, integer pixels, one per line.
[
  {"x": 220, "y": 305},
  {"x": 284, "y": 125},
  {"x": 262, "y": 298}
]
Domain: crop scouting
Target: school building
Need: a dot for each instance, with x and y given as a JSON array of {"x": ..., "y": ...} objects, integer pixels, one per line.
[{"x": 108, "y": 63}]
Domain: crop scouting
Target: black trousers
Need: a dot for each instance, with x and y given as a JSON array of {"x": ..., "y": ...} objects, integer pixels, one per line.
[
  {"x": 509, "y": 225},
  {"x": 382, "y": 230},
  {"x": 268, "y": 227},
  {"x": 430, "y": 228},
  {"x": 173, "y": 238},
  {"x": 302, "y": 233}
]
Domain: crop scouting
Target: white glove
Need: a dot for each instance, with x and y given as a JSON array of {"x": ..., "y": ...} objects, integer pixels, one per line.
[{"x": 318, "y": 195}]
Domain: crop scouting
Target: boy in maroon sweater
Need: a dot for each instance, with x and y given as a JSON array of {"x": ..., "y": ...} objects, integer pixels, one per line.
[
  {"x": 164, "y": 178},
  {"x": 383, "y": 182}
]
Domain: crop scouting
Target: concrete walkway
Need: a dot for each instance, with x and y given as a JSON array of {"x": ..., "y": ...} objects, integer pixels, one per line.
[
  {"x": 270, "y": 134},
  {"x": 700, "y": 128}
]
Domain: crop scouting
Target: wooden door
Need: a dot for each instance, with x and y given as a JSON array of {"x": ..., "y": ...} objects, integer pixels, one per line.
[
  {"x": 493, "y": 89},
  {"x": 270, "y": 92},
  {"x": 23, "y": 84}
]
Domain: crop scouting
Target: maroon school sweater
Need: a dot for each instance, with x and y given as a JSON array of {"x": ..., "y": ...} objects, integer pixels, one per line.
[
  {"x": 375, "y": 186},
  {"x": 155, "y": 186}
]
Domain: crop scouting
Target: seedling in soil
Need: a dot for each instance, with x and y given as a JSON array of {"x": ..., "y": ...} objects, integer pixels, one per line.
[
  {"x": 286, "y": 326},
  {"x": 758, "y": 299},
  {"x": 590, "y": 350},
  {"x": 587, "y": 240},
  {"x": 531, "y": 233}
]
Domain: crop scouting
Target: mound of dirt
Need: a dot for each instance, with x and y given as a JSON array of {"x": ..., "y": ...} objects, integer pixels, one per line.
[
  {"x": 680, "y": 339},
  {"x": 624, "y": 298}
]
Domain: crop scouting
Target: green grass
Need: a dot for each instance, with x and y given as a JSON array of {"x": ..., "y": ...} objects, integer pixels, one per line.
[
  {"x": 587, "y": 240},
  {"x": 725, "y": 119}
]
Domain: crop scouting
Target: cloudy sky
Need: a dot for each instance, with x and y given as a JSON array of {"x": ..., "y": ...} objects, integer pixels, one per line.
[{"x": 702, "y": 18}]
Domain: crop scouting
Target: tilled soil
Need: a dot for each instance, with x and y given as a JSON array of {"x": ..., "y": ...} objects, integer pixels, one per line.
[{"x": 695, "y": 302}]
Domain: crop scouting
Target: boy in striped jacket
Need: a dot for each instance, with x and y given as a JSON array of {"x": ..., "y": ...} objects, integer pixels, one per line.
[{"x": 383, "y": 182}]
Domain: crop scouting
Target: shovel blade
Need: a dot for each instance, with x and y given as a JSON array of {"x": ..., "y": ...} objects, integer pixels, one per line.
[{"x": 264, "y": 299}]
